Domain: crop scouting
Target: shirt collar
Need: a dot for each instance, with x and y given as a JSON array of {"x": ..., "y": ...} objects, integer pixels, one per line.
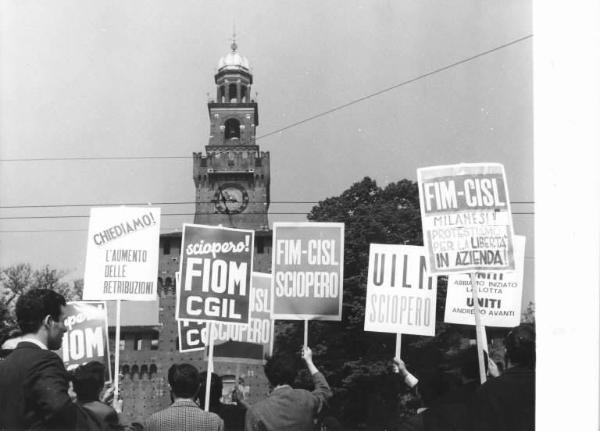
[
  {"x": 184, "y": 402},
  {"x": 30, "y": 339},
  {"x": 281, "y": 387}
]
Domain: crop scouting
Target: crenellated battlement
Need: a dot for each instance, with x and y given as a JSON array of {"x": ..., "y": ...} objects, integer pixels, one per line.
[{"x": 233, "y": 160}]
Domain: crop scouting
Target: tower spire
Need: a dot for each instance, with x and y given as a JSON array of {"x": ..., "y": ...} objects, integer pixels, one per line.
[{"x": 233, "y": 40}]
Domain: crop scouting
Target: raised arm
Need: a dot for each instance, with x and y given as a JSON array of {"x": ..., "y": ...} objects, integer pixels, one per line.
[{"x": 322, "y": 391}]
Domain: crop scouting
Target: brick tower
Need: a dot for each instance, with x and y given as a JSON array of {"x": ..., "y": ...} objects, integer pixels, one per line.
[
  {"x": 232, "y": 189},
  {"x": 232, "y": 180}
]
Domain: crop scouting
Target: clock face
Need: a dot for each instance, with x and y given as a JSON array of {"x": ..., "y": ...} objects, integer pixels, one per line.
[{"x": 231, "y": 198}]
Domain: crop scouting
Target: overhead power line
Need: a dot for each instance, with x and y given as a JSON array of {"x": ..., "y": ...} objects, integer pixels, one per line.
[
  {"x": 69, "y": 230},
  {"x": 169, "y": 215},
  {"x": 295, "y": 124},
  {"x": 163, "y": 203},
  {"x": 393, "y": 87}
]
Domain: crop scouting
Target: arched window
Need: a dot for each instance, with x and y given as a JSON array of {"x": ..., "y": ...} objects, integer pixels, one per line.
[
  {"x": 244, "y": 96},
  {"x": 125, "y": 370},
  {"x": 232, "y": 128},
  {"x": 153, "y": 370},
  {"x": 144, "y": 371},
  {"x": 168, "y": 281},
  {"x": 233, "y": 97},
  {"x": 135, "y": 372}
]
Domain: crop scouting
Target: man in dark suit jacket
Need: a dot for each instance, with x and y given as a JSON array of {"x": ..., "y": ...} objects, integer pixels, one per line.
[
  {"x": 507, "y": 403},
  {"x": 33, "y": 380},
  {"x": 287, "y": 408}
]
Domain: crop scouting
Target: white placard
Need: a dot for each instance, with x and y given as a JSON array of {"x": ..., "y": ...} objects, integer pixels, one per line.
[
  {"x": 401, "y": 296},
  {"x": 466, "y": 218},
  {"x": 500, "y": 294},
  {"x": 122, "y": 254}
]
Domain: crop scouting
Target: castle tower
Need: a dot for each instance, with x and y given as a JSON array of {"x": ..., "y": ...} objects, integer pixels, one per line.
[
  {"x": 232, "y": 189},
  {"x": 232, "y": 180}
]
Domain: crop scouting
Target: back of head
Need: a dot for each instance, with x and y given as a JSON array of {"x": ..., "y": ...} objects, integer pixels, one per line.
[
  {"x": 216, "y": 391},
  {"x": 520, "y": 345},
  {"x": 184, "y": 380},
  {"x": 33, "y": 306},
  {"x": 281, "y": 369},
  {"x": 88, "y": 381},
  {"x": 469, "y": 362},
  {"x": 431, "y": 385}
]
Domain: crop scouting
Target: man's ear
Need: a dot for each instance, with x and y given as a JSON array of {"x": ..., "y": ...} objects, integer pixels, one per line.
[{"x": 47, "y": 320}]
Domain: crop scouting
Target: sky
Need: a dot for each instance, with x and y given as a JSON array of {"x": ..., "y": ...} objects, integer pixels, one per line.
[{"x": 88, "y": 78}]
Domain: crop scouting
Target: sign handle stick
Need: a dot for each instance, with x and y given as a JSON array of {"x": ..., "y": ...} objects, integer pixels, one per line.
[
  {"x": 237, "y": 374},
  {"x": 398, "y": 344},
  {"x": 478, "y": 328},
  {"x": 117, "y": 351},
  {"x": 306, "y": 333},
  {"x": 209, "y": 367},
  {"x": 237, "y": 377}
]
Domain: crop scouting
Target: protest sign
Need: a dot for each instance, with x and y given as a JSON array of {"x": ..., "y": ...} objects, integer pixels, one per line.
[
  {"x": 249, "y": 344},
  {"x": 216, "y": 270},
  {"x": 122, "y": 254},
  {"x": 467, "y": 223},
  {"x": 401, "y": 295},
  {"x": 500, "y": 294},
  {"x": 86, "y": 338},
  {"x": 308, "y": 270},
  {"x": 237, "y": 343},
  {"x": 189, "y": 331},
  {"x": 190, "y": 338}
]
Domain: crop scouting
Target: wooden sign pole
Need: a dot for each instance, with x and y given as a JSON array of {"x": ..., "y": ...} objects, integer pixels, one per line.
[
  {"x": 117, "y": 354},
  {"x": 478, "y": 328},
  {"x": 306, "y": 333},
  {"x": 209, "y": 367}
]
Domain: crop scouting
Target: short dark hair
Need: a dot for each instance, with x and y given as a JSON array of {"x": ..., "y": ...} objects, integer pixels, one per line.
[
  {"x": 216, "y": 390},
  {"x": 184, "y": 380},
  {"x": 431, "y": 385},
  {"x": 468, "y": 362},
  {"x": 281, "y": 369},
  {"x": 520, "y": 345},
  {"x": 34, "y": 305},
  {"x": 88, "y": 381}
]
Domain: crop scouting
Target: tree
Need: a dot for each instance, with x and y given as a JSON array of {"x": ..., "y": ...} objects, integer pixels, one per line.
[
  {"x": 357, "y": 363},
  {"x": 15, "y": 280},
  {"x": 528, "y": 316},
  {"x": 18, "y": 279}
]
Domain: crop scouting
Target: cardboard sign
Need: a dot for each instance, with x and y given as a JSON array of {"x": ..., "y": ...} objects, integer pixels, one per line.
[
  {"x": 86, "y": 338},
  {"x": 216, "y": 272},
  {"x": 189, "y": 331},
  {"x": 308, "y": 271},
  {"x": 190, "y": 335},
  {"x": 467, "y": 223},
  {"x": 500, "y": 295},
  {"x": 401, "y": 296},
  {"x": 237, "y": 343},
  {"x": 122, "y": 254}
]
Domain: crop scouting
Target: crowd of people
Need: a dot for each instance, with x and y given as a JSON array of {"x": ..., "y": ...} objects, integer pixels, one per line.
[{"x": 36, "y": 391}]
